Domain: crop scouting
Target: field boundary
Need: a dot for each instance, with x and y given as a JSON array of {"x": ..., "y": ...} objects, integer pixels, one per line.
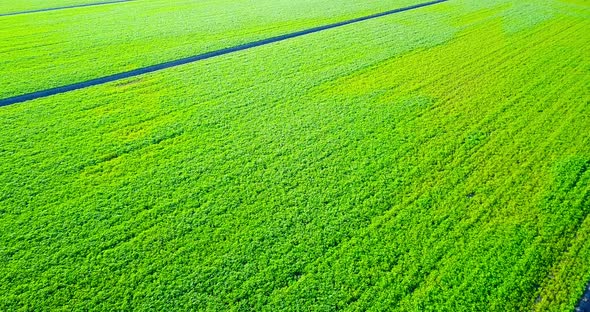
[
  {"x": 199, "y": 57},
  {"x": 64, "y": 7}
]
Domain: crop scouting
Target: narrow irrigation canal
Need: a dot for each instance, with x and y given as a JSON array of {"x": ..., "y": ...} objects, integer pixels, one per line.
[{"x": 584, "y": 303}]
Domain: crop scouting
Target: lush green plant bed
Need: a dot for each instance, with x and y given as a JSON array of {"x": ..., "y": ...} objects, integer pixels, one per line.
[
  {"x": 41, "y": 51},
  {"x": 432, "y": 160},
  {"x": 30, "y": 5}
]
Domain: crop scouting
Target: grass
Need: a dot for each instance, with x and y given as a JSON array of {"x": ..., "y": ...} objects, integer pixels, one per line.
[
  {"x": 29, "y": 5},
  {"x": 65, "y": 46},
  {"x": 431, "y": 160}
]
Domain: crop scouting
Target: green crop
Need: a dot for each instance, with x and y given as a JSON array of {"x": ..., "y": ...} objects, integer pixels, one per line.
[
  {"x": 63, "y": 47},
  {"x": 432, "y": 160},
  {"x": 29, "y": 5}
]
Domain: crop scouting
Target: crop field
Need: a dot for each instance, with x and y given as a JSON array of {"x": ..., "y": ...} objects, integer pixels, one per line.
[
  {"x": 11, "y": 7},
  {"x": 62, "y": 47},
  {"x": 435, "y": 159}
]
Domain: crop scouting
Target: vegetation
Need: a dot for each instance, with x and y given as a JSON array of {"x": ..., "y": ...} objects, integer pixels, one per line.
[
  {"x": 432, "y": 160},
  {"x": 30, "y": 5},
  {"x": 64, "y": 47}
]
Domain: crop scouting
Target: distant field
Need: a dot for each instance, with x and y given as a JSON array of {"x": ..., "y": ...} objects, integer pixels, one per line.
[
  {"x": 433, "y": 160},
  {"x": 28, "y": 5},
  {"x": 63, "y": 47}
]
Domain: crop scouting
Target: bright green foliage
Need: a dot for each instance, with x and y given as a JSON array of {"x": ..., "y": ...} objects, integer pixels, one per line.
[
  {"x": 7, "y": 6},
  {"x": 67, "y": 46},
  {"x": 434, "y": 160}
]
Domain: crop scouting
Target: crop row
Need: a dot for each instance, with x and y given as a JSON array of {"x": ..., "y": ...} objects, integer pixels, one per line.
[
  {"x": 63, "y": 47},
  {"x": 436, "y": 160},
  {"x": 28, "y": 5}
]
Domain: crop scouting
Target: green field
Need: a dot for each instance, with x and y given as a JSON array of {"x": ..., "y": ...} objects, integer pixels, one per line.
[
  {"x": 62, "y": 47},
  {"x": 32, "y": 5},
  {"x": 431, "y": 160}
]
